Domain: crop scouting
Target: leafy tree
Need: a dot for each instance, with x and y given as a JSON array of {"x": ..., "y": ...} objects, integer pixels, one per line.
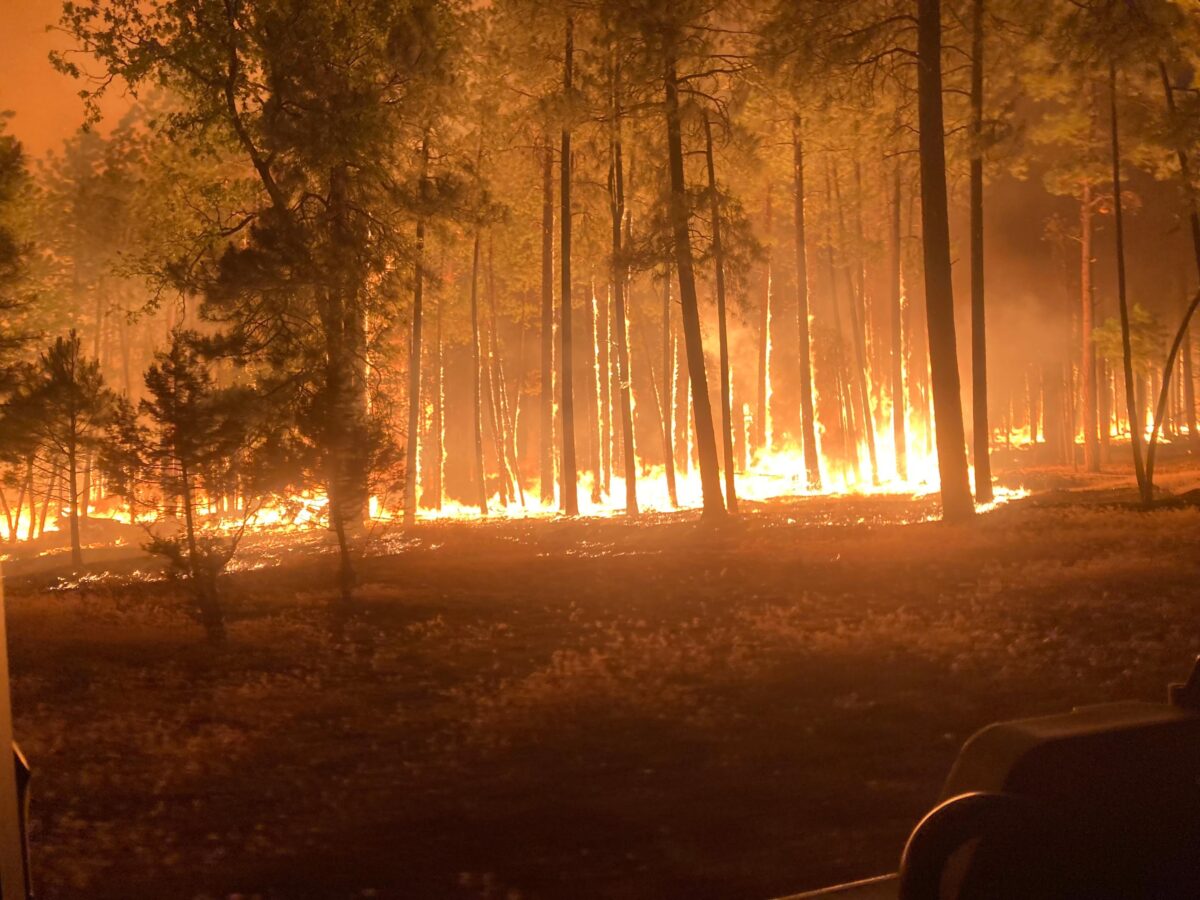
[
  {"x": 191, "y": 444},
  {"x": 65, "y": 407}
]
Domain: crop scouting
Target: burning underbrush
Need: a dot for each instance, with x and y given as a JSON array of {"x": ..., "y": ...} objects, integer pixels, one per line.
[{"x": 713, "y": 708}]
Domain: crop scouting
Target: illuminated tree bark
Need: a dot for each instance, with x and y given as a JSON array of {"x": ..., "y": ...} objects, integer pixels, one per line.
[
  {"x": 546, "y": 467},
  {"x": 620, "y": 277},
  {"x": 710, "y": 476},
  {"x": 957, "y": 503},
  {"x": 569, "y": 474},
  {"x": 1131, "y": 399},
  {"x": 722, "y": 328},
  {"x": 899, "y": 431},
  {"x": 414, "y": 355},
  {"x": 982, "y": 432},
  {"x": 812, "y": 462}
]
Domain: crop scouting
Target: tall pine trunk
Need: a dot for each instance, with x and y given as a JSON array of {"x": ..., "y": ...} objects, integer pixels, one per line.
[
  {"x": 570, "y": 476},
  {"x": 855, "y": 295},
  {"x": 546, "y": 468},
  {"x": 1181, "y": 333},
  {"x": 808, "y": 427},
  {"x": 620, "y": 277},
  {"x": 710, "y": 475},
  {"x": 957, "y": 503},
  {"x": 414, "y": 355},
  {"x": 722, "y": 327},
  {"x": 1087, "y": 318},
  {"x": 437, "y": 424},
  {"x": 1131, "y": 392},
  {"x": 762, "y": 431},
  {"x": 668, "y": 392},
  {"x": 982, "y": 432},
  {"x": 899, "y": 435},
  {"x": 476, "y": 381}
]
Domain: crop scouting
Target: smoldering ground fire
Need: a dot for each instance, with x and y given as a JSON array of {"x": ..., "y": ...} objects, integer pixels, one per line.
[{"x": 577, "y": 449}]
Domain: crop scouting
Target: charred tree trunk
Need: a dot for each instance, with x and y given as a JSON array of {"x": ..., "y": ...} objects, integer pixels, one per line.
[
  {"x": 592, "y": 406},
  {"x": 604, "y": 386},
  {"x": 1135, "y": 429},
  {"x": 437, "y": 425},
  {"x": 762, "y": 430},
  {"x": 899, "y": 436},
  {"x": 982, "y": 432},
  {"x": 808, "y": 428},
  {"x": 620, "y": 277},
  {"x": 957, "y": 503},
  {"x": 476, "y": 381},
  {"x": 855, "y": 298},
  {"x": 1181, "y": 333},
  {"x": 722, "y": 328},
  {"x": 546, "y": 468},
  {"x": 570, "y": 476},
  {"x": 412, "y": 447},
  {"x": 710, "y": 474},
  {"x": 668, "y": 393},
  {"x": 1087, "y": 306},
  {"x": 494, "y": 385}
]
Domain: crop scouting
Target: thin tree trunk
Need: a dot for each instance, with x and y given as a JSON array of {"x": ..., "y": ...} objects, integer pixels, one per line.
[
  {"x": 1087, "y": 305},
  {"x": 899, "y": 436},
  {"x": 437, "y": 426},
  {"x": 546, "y": 469},
  {"x": 595, "y": 453},
  {"x": 979, "y": 388},
  {"x": 570, "y": 477},
  {"x": 414, "y": 355},
  {"x": 858, "y": 337},
  {"x": 957, "y": 503},
  {"x": 710, "y": 475},
  {"x": 1189, "y": 390},
  {"x": 620, "y": 276},
  {"x": 604, "y": 384},
  {"x": 73, "y": 505},
  {"x": 808, "y": 428},
  {"x": 476, "y": 376},
  {"x": 681, "y": 393},
  {"x": 1135, "y": 430},
  {"x": 668, "y": 392},
  {"x": 722, "y": 327},
  {"x": 494, "y": 367},
  {"x": 762, "y": 428}
]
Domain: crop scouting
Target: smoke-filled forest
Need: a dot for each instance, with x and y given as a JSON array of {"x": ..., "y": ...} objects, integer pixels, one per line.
[{"x": 578, "y": 448}]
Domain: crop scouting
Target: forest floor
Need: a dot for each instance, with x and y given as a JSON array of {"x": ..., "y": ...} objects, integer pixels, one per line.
[{"x": 579, "y": 709}]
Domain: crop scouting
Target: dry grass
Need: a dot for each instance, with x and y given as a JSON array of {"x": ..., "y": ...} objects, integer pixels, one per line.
[{"x": 576, "y": 710}]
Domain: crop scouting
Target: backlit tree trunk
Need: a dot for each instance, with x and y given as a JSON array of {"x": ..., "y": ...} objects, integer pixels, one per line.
[
  {"x": 808, "y": 428},
  {"x": 722, "y": 328},
  {"x": 1087, "y": 305},
  {"x": 414, "y": 357},
  {"x": 569, "y": 487},
  {"x": 957, "y": 503},
  {"x": 982, "y": 432},
  {"x": 668, "y": 392},
  {"x": 620, "y": 276},
  {"x": 710, "y": 476},
  {"x": 546, "y": 467},
  {"x": 1131, "y": 399},
  {"x": 476, "y": 381},
  {"x": 762, "y": 430},
  {"x": 899, "y": 437}
]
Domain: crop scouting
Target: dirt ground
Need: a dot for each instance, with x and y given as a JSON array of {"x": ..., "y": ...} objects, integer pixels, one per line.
[{"x": 587, "y": 709}]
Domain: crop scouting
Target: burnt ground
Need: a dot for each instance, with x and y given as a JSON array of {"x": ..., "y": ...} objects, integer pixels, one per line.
[{"x": 577, "y": 709}]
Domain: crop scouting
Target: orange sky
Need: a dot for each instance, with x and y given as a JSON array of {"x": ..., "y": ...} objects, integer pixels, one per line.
[{"x": 46, "y": 104}]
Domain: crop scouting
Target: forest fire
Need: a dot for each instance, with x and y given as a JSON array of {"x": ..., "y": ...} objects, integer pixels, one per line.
[{"x": 576, "y": 449}]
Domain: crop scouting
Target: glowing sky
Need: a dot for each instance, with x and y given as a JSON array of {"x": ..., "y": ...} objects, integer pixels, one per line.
[{"x": 46, "y": 104}]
